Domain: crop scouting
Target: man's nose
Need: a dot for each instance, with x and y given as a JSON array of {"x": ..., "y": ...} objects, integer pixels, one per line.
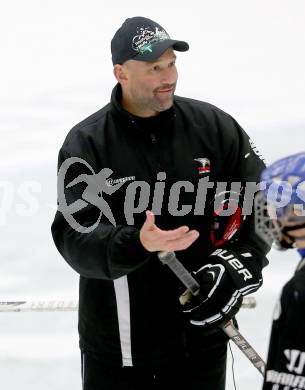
[{"x": 169, "y": 76}]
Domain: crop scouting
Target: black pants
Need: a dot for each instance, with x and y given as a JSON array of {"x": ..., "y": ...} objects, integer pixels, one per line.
[{"x": 204, "y": 371}]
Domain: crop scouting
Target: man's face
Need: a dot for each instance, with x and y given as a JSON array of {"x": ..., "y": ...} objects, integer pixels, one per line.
[{"x": 149, "y": 86}]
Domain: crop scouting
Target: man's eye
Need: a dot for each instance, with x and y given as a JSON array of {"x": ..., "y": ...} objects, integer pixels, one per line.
[
  {"x": 172, "y": 64},
  {"x": 156, "y": 68}
]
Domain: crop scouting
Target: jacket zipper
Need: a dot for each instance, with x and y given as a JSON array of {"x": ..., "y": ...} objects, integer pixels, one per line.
[{"x": 153, "y": 138}]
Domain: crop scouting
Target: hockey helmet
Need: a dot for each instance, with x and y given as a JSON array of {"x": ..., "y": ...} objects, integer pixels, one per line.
[{"x": 280, "y": 203}]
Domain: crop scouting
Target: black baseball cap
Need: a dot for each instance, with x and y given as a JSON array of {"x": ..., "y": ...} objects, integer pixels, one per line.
[{"x": 142, "y": 39}]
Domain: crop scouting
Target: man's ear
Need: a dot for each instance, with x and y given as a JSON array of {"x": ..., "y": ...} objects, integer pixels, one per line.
[{"x": 120, "y": 73}]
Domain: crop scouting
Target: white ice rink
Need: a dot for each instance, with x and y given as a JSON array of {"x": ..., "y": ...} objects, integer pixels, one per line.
[{"x": 246, "y": 57}]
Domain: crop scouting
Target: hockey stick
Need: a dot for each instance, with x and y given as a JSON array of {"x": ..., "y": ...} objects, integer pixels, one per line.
[
  {"x": 18, "y": 306},
  {"x": 170, "y": 259}
]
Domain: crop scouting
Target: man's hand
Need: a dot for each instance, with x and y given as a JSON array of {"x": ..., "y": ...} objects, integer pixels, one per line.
[
  {"x": 223, "y": 282},
  {"x": 219, "y": 300},
  {"x": 154, "y": 239}
]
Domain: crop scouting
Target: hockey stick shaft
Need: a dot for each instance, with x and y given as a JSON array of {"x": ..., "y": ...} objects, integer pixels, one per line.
[
  {"x": 170, "y": 259},
  {"x": 45, "y": 306},
  {"x": 18, "y": 306}
]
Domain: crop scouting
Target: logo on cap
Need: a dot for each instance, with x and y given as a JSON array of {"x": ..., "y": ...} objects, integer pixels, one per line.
[{"x": 146, "y": 39}]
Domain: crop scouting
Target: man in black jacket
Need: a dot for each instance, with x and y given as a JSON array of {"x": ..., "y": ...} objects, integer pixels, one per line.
[
  {"x": 149, "y": 149},
  {"x": 280, "y": 217}
]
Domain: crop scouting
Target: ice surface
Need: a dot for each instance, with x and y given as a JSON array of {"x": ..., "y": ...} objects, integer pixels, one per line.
[{"x": 245, "y": 57}]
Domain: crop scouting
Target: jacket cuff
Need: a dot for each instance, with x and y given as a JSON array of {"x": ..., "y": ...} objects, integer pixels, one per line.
[{"x": 135, "y": 246}]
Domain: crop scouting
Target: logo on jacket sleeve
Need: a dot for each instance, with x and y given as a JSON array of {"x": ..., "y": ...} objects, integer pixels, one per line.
[
  {"x": 255, "y": 150},
  {"x": 205, "y": 165}
]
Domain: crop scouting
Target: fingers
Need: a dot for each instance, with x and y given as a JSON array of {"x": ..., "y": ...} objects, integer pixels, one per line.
[
  {"x": 176, "y": 233},
  {"x": 185, "y": 241},
  {"x": 150, "y": 219},
  {"x": 166, "y": 234},
  {"x": 155, "y": 239}
]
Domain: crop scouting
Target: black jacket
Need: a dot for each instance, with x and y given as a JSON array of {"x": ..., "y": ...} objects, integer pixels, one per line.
[
  {"x": 128, "y": 305},
  {"x": 286, "y": 357}
]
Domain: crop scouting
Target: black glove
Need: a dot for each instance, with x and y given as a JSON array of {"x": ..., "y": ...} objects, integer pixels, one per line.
[{"x": 223, "y": 283}]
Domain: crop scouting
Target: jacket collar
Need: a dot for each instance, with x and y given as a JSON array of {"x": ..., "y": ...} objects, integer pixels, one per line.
[{"x": 117, "y": 109}]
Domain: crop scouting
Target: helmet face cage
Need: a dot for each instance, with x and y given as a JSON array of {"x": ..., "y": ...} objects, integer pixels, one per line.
[
  {"x": 273, "y": 225},
  {"x": 279, "y": 206},
  {"x": 267, "y": 229}
]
